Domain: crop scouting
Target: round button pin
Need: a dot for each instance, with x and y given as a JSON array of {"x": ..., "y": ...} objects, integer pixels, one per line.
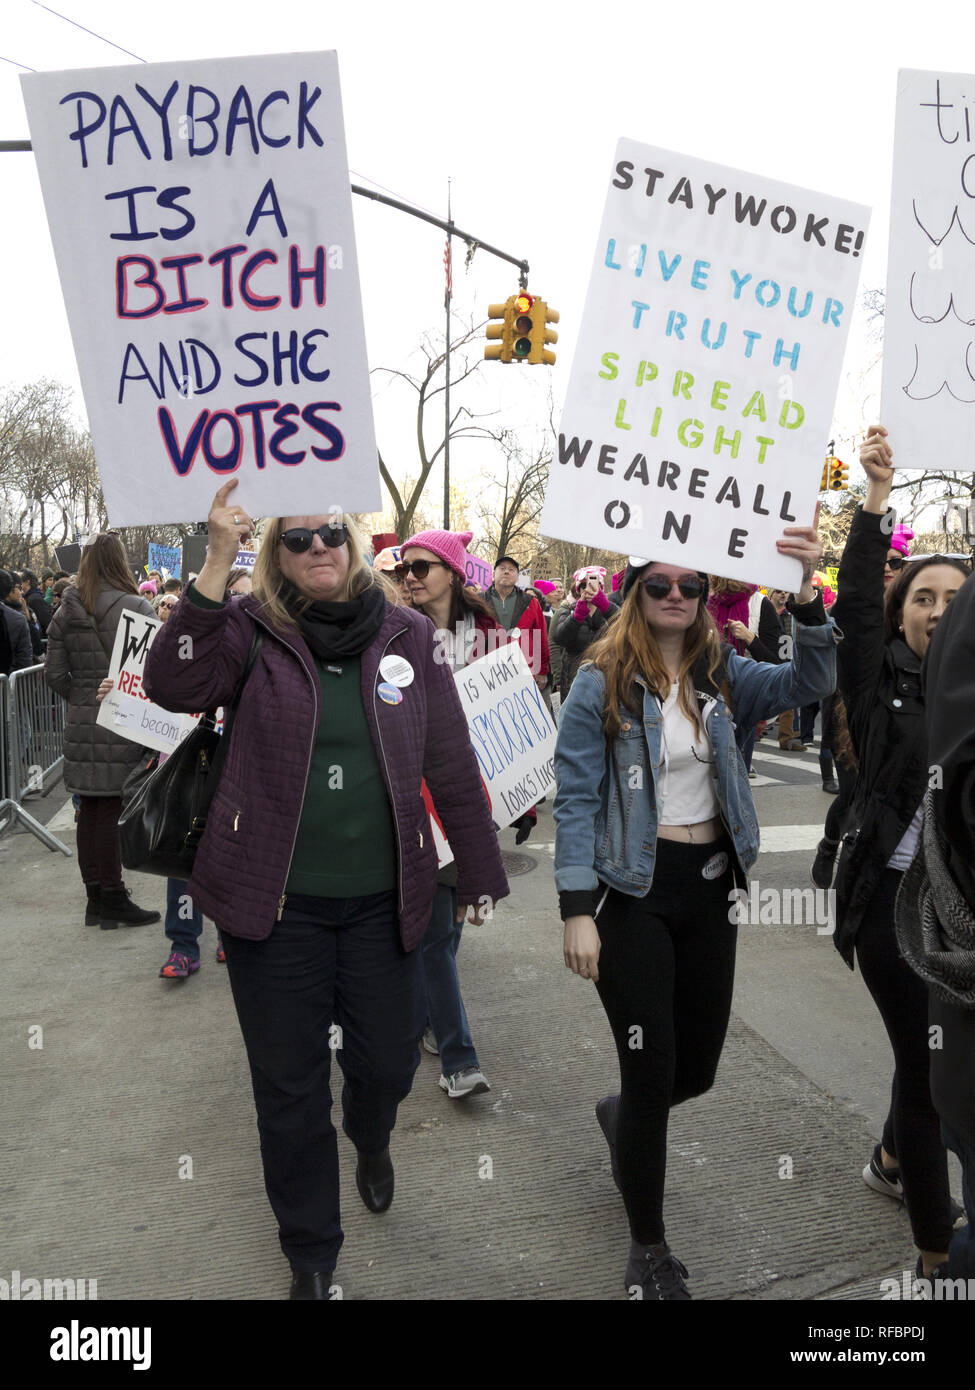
[
  {"x": 397, "y": 670},
  {"x": 389, "y": 694}
]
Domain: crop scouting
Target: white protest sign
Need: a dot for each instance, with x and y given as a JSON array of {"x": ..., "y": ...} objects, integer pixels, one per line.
[
  {"x": 127, "y": 709},
  {"x": 512, "y": 734},
  {"x": 202, "y": 223},
  {"x": 928, "y": 396},
  {"x": 702, "y": 388}
]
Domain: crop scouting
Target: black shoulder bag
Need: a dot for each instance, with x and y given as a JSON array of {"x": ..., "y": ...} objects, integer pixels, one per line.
[{"x": 166, "y": 804}]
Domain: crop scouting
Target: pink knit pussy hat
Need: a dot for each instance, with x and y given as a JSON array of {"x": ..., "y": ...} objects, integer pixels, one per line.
[
  {"x": 901, "y": 539},
  {"x": 449, "y": 546}
]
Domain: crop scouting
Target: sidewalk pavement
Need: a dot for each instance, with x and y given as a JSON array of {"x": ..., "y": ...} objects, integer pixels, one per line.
[{"x": 503, "y": 1196}]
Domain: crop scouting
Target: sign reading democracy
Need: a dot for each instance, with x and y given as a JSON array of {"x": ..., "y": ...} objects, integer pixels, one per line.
[
  {"x": 166, "y": 558},
  {"x": 127, "y": 709},
  {"x": 511, "y": 732},
  {"x": 201, "y": 218},
  {"x": 704, "y": 378},
  {"x": 928, "y": 395}
]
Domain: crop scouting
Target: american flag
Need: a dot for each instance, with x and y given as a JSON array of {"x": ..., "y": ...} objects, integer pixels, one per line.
[{"x": 448, "y": 269}]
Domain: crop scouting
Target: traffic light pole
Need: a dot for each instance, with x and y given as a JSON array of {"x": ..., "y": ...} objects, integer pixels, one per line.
[{"x": 25, "y": 147}]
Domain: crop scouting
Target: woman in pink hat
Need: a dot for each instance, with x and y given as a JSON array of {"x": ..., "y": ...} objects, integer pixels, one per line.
[{"x": 433, "y": 566}]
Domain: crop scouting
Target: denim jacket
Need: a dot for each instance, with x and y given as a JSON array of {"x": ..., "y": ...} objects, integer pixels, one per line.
[{"x": 605, "y": 805}]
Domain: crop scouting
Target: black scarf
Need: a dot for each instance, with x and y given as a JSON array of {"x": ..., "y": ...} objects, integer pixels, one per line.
[{"x": 337, "y": 629}]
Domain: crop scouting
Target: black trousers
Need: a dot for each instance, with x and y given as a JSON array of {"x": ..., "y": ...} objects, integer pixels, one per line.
[
  {"x": 329, "y": 961},
  {"x": 912, "y": 1132},
  {"x": 99, "y": 855},
  {"x": 666, "y": 974},
  {"x": 953, "y": 1093}
]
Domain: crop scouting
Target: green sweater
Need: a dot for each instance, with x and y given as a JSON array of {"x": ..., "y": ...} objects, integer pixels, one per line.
[
  {"x": 346, "y": 841},
  {"x": 346, "y": 845}
]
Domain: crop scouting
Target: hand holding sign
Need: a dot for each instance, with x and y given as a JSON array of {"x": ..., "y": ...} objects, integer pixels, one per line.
[
  {"x": 803, "y": 543},
  {"x": 227, "y": 526}
]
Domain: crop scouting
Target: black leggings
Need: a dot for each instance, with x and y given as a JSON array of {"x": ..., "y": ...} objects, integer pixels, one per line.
[
  {"x": 912, "y": 1133},
  {"x": 666, "y": 973}
]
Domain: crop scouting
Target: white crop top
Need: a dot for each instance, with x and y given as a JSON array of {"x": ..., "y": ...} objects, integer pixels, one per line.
[{"x": 687, "y": 775}]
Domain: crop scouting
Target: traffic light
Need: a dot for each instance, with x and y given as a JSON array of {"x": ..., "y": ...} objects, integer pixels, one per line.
[
  {"x": 838, "y": 474},
  {"x": 521, "y": 325},
  {"x": 541, "y": 316},
  {"x": 504, "y": 330}
]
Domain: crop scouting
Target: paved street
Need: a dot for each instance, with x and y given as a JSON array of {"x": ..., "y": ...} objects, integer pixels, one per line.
[{"x": 504, "y": 1196}]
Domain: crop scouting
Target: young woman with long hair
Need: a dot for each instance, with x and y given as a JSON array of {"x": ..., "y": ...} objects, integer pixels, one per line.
[
  {"x": 655, "y": 825},
  {"x": 886, "y": 636}
]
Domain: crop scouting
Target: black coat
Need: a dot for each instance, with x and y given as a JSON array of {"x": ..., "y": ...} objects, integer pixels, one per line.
[
  {"x": 576, "y": 638},
  {"x": 881, "y": 686},
  {"x": 949, "y": 684}
]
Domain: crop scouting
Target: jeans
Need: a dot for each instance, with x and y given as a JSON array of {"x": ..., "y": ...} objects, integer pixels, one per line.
[
  {"x": 332, "y": 976},
  {"x": 182, "y": 928},
  {"x": 438, "y": 970}
]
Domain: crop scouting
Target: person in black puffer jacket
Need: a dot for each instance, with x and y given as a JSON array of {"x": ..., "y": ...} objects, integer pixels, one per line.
[
  {"x": 96, "y": 759},
  {"x": 879, "y": 677}
]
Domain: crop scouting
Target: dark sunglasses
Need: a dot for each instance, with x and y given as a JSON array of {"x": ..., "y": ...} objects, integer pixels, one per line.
[
  {"x": 659, "y": 587},
  {"x": 895, "y": 563},
  {"x": 418, "y": 568},
  {"x": 299, "y": 539}
]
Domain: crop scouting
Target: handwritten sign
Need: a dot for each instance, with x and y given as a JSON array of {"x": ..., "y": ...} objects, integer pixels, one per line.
[
  {"x": 703, "y": 383},
  {"x": 202, "y": 223},
  {"x": 166, "y": 558},
  {"x": 127, "y": 709},
  {"x": 928, "y": 395},
  {"x": 479, "y": 572},
  {"x": 512, "y": 735}
]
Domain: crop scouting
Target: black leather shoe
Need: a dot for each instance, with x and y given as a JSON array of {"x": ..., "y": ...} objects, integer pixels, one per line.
[
  {"x": 374, "y": 1179},
  {"x": 311, "y": 1286}
]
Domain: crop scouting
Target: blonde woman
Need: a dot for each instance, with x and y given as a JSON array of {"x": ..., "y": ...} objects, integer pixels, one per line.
[{"x": 317, "y": 864}]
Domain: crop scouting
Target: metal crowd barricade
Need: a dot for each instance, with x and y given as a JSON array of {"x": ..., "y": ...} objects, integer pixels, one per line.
[{"x": 32, "y": 719}]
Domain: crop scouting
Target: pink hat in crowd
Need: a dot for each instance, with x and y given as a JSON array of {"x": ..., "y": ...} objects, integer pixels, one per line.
[
  {"x": 147, "y": 587},
  {"x": 387, "y": 559},
  {"x": 901, "y": 539},
  {"x": 449, "y": 546},
  {"x": 598, "y": 570},
  {"x": 544, "y": 586}
]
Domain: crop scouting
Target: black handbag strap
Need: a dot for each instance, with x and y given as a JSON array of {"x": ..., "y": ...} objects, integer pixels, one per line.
[{"x": 231, "y": 711}]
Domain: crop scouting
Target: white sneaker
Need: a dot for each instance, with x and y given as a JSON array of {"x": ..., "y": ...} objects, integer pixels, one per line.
[
  {"x": 469, "y": 1082},
  {"x": 430, "y": 1042}
]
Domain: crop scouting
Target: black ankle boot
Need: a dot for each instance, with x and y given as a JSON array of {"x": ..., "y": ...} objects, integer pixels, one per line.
[
  {"x": 93, "y": 912},
  {"x": 374, "y": 1178},
  {"x": 653, "y": 1273},
  {"x": 118, "y": 909},
  {"x": 311, "y": 1286}
]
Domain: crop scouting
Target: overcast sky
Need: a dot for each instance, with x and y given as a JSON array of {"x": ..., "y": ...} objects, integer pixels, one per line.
[{"x": 521, "y": 107}]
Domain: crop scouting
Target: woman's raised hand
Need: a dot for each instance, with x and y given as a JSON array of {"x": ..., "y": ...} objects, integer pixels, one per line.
[
  {"x": 228, "y": 527},
  {"x": 875, "y": 460}
]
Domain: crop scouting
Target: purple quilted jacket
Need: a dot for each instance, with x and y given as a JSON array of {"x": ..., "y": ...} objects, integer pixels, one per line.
[{"x": 244, "y": 857}]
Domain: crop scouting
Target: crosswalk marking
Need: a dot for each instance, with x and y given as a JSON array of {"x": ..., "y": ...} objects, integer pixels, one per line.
[
  {"x": 784, "y": 839},
  {"x": 787, "y": 760}
]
